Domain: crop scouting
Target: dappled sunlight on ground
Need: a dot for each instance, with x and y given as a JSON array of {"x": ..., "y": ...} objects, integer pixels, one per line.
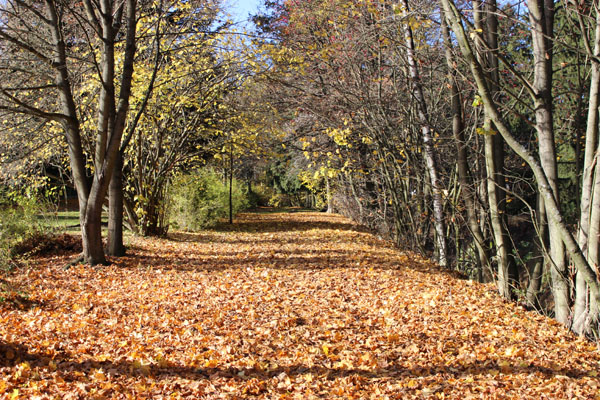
[{"x": 296, "y": 305}]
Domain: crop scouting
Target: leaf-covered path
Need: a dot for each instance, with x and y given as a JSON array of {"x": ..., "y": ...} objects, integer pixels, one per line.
[{"x": 290, "y": 306}]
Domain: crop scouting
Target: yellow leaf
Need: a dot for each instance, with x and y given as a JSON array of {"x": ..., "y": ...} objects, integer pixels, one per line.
[
  {"x": 524, "y": 364},
  {"x": 393, "y": 338},
  {"x": 162, "y": 362},
  {"x": 138, "y": 365},
  {"x": 513, "y": 351},
  {"x": 504, "y": 365},
  {"x": 99, "y": 375},
  {"x": 412, "y": 384},
  {"x": 344, "y": 364}
]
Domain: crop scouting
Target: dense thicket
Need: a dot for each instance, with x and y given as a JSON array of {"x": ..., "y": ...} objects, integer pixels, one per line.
[{"x": 457, "y": 128}]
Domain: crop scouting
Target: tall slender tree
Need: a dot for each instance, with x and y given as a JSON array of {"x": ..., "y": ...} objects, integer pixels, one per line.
[
  {"x": 428, "y": 145},
  {"x": 555, "y": 217}
]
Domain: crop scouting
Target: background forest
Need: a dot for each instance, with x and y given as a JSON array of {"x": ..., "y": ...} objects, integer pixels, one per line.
[{"x": 465, "y": 131}]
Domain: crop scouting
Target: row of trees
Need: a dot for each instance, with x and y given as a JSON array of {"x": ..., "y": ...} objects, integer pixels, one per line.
[
  {"x": 140, "y": 90},
  {"x": 464, "y": 130}
]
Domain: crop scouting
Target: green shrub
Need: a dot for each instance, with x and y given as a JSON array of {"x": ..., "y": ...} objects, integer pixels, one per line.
[
  {"x": 260, "y": 195},
  {"x": 279, "y": 200},
  {"x": 19, "y": 222},
  {"x": 200, "y": 200}
]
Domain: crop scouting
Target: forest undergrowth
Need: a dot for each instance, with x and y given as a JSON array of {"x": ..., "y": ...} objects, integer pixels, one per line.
[{"x": 277, "y": 306}]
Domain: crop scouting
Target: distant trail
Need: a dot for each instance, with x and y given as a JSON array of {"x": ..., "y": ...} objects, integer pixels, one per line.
[{"x": 280, "y": 305}]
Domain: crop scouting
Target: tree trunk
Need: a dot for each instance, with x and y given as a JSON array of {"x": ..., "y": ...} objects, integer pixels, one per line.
[
  {"x": 507, "y": 272},
  {"x": 466, "y": 185},
  {"x": 231, "y": 184},
  {"x": 541, "y": 17},
  {"x": 132, "y": 218},
  {"x": 111, "y": 122},
  {"x": 115, "y": 245},
  {"x": 91, "y": 236},
  {"x": 536, "y": 274},
  {"x": 582, "y": 317},
  {"x": 356, "y": 197},
  {"x": 429, "y": 152},
  {"x": 554, "y": 214},
  {"x": 89, "y": 217},
  {"x": 328, "y": 194},
  {"x": 594, "y": 244},
  {"x": 105, "y": 18},
  {"x": 507, "y": 276}
]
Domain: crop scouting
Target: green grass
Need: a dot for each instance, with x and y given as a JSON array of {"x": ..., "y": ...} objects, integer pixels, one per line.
[{"x": 64, "y": 221}]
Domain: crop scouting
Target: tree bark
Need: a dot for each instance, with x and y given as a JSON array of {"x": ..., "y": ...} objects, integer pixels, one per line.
[
  {"x": 582, "y": 317},
  {"x": 554, "y": 214},
  {"x": 91, "y": 229},
  {"x": 541, "y": 17},
  {"x": 328, "y": 194},
  {"x": 428, "y": 147},
  {"x": 464, "y": 178},
  {"x": 115, "y": 246},
  {"x": 507, "y": 272},
  {"x": 536, "y": 274},
  {"x": 231, "y": 184}
]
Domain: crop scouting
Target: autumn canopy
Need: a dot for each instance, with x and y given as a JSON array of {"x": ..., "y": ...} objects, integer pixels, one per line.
[{"x": 333, "y": 198}]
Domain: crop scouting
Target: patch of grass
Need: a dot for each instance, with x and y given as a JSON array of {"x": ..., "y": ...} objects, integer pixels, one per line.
[{"x": 64, "y": 221}]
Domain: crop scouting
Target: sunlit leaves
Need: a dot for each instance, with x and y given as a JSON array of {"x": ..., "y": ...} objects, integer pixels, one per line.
[{"x": 298, "y": 305}]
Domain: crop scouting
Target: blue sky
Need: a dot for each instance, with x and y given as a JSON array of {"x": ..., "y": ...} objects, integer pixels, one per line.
[{"x": 240, "y": 9}]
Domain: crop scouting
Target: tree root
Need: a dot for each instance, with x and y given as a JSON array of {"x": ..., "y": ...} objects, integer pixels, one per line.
[{"x": 75, "y": 261}]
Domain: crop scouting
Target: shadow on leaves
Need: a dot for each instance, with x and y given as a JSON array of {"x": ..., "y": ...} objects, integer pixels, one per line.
[{"x": 12, "y": 354}]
